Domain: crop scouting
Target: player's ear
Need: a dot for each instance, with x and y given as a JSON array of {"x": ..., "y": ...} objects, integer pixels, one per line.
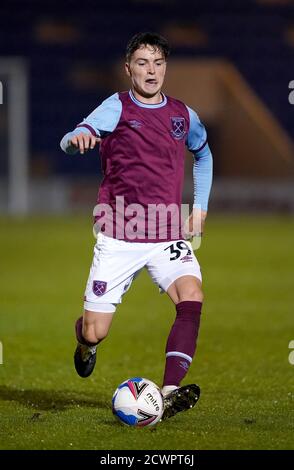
[{"x": 128, "y": 69}]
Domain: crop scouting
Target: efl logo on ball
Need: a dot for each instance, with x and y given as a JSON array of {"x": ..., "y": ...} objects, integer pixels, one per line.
[{"x": 138, "y": 402}]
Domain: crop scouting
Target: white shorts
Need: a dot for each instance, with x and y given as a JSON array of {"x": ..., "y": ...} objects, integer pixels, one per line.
[{"x": 117, "y": 262}]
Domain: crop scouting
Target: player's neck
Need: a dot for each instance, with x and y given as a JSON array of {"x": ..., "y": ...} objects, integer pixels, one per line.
[{"x": 156, "y": 99}]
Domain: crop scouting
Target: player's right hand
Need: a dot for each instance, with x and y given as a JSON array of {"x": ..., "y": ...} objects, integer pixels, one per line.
[{"x": 84, "y": 141}]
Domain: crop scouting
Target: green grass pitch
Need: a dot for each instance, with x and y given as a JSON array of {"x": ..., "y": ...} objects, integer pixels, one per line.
[{"x": 242, "y": 361}]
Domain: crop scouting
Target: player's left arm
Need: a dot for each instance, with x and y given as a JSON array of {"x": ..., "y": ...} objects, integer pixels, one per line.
[{"x": 202, "y": 174}]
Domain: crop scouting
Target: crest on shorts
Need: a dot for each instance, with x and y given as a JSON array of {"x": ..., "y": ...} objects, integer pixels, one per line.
[
  {"x": 99, "y": 287},
  {"x": 178, "y": 127}
]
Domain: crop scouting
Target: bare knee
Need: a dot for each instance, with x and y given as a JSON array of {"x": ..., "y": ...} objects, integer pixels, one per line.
[
  {"x": 96, "y": 327},
  {"x": 89, "y": 334},
  {"x": 186, "y": 288},
  {"x": 93, "y": 333},
  {"x": 101, "y": 332},
  {"x": 192, "y": 294}
]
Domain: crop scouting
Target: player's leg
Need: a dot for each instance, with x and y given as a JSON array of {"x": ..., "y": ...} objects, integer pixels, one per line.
[
  {"x": 180, "y": 277},
  {"x": 91, "y": 329},
  {"x": 186, "y": 294},
  {"x": 96, "y": 325},
  {"x": 186, "y": 288},
  {"x": 115, "y": 264}
]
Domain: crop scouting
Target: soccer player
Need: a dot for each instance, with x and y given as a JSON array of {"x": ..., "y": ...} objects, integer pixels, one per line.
[{"x": 142, "y": 135}]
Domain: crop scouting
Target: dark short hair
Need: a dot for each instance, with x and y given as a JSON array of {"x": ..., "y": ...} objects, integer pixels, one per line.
[{"x": 142, "y": 39}]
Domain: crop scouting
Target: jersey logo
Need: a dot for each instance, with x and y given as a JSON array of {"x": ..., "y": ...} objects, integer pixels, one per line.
[
  {"x": 135, "y": 124},
  {"x": 178, "y": 127},
  {"x": 186, "y": 259},
  {"x": 99, "y": 287}
]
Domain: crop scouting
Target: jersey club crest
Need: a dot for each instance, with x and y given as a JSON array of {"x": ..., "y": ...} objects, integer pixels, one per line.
[{"x": 178, "y": 127}]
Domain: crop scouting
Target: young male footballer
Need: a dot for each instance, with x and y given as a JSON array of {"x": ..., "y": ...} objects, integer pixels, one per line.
[{"x": 142, "y": 135}]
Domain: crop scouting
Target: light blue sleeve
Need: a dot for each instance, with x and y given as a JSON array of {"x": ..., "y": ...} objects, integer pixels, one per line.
[
  {"x": 202, "y": 167},
  {"x": 102, "y": 121}
]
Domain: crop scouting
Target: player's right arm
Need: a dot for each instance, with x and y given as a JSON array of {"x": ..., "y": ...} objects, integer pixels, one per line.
[
  {"x": 102, "y": 121},
  {"x": 83, "y": 142}
]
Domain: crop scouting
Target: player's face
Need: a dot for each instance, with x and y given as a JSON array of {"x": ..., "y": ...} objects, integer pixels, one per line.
[{"x": 146, "y": 69}]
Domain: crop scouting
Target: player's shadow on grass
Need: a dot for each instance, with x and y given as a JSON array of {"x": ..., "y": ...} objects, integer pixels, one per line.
[{"x": 51, "y": 400}]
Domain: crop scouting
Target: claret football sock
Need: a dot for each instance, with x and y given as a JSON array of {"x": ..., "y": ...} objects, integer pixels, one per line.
[{"x": 181, "y": 343}]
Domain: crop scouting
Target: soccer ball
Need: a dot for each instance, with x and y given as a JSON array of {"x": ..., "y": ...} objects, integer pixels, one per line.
[{"x": 137, "y": 402}]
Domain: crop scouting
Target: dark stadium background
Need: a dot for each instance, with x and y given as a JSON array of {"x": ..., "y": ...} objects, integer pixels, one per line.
[{"x": 74, "y": 52}]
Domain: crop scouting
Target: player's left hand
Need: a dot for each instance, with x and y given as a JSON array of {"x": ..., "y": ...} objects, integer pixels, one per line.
[{"x": 194, "y": 225}]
